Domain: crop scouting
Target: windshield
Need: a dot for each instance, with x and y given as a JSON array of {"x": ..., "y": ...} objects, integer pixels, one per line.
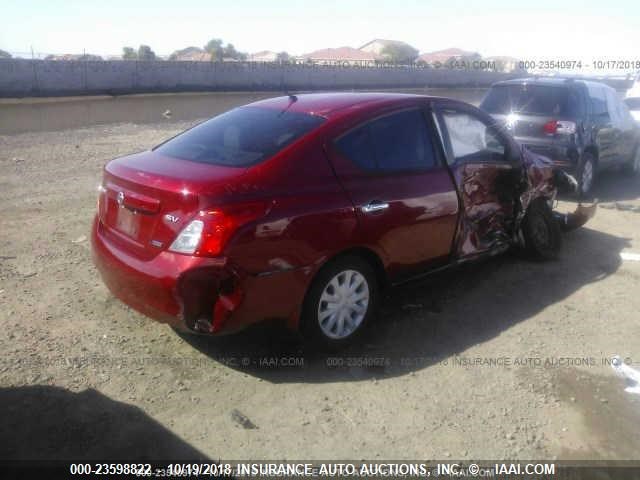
[
  {"x": 241, "y": 137},
  {"x": 528, "y": 99}
]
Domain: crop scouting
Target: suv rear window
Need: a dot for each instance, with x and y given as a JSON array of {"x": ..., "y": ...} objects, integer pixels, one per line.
[
  {"x": 531, "y": 100},
  {"x": 241, "y": 137}
]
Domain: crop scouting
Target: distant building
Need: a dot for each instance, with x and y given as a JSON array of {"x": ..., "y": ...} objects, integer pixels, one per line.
[
  {"x": 342, "y": 56},
  {"x": 443, "y": 56},
  {"x": 190, "y": 54},
  {"x": 71, "y": 56},
  {"x": 263, "y": 56}
]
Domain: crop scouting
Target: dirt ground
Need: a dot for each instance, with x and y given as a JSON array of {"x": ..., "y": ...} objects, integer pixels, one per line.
[{"x": 503, "y": 359}]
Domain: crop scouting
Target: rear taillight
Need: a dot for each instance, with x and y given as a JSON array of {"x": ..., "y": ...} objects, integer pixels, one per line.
[
  {"x": 189, "y": 238},
  {"x": 563, "y": 127},
  {"x": 207, "y": 235}
]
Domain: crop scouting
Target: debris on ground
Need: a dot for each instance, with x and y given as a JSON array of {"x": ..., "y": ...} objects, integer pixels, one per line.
[
  {"x": 242, "y": 420},
  {"x": 631, "y": 375}
]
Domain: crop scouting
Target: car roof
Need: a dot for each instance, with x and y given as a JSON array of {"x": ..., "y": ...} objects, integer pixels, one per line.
[
  {"x": 551, "y": 81},
  {"x": 333, "y": 104}
]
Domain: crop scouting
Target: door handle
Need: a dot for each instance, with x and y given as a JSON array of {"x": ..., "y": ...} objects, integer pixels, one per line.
[{"x": 374, "y": 206}]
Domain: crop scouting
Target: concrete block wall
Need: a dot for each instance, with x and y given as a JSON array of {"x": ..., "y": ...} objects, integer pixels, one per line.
[{"x": 24, "y": 78}]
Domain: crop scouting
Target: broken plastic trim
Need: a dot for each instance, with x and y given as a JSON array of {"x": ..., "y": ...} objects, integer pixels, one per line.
[
  {"x": 631, "y": 376},
  {"x": 564, "y": 181}
]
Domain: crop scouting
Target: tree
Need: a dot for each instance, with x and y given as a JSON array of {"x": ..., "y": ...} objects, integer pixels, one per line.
[
  {"x": 214, "y": 47},
  {"x": 129, "y": 53},
  {"x": 282, "y": 57},
  {"x": 218, "y": 51},
  {"x": 4, "y": 54},
  {"x": 145, "y": 53},
  {"x": 399, "y": 53},
  {"x": 230, "y": 51}
]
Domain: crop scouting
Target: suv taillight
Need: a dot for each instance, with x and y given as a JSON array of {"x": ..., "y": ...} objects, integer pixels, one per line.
[
  {"x": 563, "y": 127},
  {"x": 208, "y": 233}
]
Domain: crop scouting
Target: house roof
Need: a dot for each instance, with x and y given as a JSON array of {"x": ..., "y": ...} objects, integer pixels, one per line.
[
  {"x": 194, "y": 56},
  {"x": 263, "y": 54},
  {"x": 341, "y": 53},
  {"x": 191, "y": 54},
  {"x": 444, "y": 55}
]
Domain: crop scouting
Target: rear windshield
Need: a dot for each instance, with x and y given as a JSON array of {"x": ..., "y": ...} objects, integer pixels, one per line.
[
  {"x": 529, "y": 99},
  {"x": 633, "y": 103},
  {"x": 241, "y": 137}
]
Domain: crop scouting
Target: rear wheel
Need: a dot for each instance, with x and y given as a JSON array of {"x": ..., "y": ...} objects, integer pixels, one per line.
[
  {"x": 586, "y": 173},
  {"x": 542, "y": 235},
  {"x": 341, "y": 301},
  {"x": 633, "y": 167}
]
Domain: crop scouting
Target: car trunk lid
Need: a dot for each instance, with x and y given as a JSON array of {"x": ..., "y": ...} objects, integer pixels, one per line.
[{"x": 147, "y": 198}]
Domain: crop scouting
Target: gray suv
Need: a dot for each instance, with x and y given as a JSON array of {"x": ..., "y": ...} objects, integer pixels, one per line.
[{"x": 582, "y": 126}]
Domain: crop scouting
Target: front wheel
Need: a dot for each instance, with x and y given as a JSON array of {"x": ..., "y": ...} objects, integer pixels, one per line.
[
  {"x": 541, "y": 231},
  {"x": 341, "y": 301}
]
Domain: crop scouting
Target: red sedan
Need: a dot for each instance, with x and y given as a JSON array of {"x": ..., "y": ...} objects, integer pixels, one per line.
[{"x": 303, "y": 208}]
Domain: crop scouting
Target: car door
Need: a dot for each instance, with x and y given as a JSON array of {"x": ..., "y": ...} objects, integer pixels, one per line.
[
  {"x": 603, "y": 132},
  {"x": 404, "y": 197},
  {"x": 479, "y": 155}
]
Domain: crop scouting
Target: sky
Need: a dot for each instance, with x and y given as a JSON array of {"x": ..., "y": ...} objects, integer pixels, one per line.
[{"x": 538, "y": 29}]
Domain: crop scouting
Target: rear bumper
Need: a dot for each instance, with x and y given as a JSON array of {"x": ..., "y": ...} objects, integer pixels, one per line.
[{"x": 204, "y": 295}]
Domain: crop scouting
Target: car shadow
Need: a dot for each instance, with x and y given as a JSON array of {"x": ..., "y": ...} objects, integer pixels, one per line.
[
  {"x": 53, "y": 424},
  {"x": 424, "y": 322}
]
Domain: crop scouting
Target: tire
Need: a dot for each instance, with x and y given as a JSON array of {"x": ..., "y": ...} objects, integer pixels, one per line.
[
  {"x": 330, "y": 325},
  {"x": 633, "y": 167},
  {"x": 586, "y": 174},
  {"x": 541, "y": 231}
]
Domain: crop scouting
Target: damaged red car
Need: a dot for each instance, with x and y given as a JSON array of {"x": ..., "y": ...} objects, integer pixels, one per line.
[{"x": 303, "y": 208}]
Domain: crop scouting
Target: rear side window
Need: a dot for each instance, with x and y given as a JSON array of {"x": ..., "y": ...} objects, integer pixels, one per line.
[
  {"x": 598, "y": 98},
  {"x": 241, "y": 137},
  {"x": 358, "y": 147},
  {"x": 575, "y": 104},
  {"x": 396, "y": 142},
  {"x": 614, "y": 108},
  {"x": 529, "y": 99}
]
